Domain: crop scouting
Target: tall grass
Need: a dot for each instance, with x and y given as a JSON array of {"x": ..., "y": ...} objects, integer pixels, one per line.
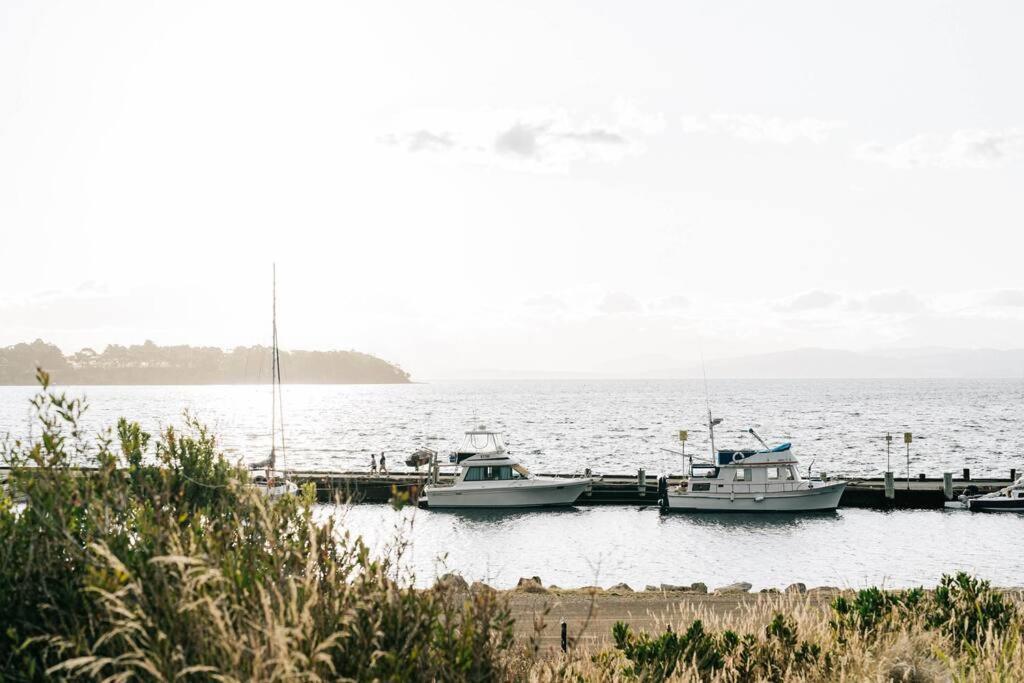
[
  {"x": 163, "y": 564},
  {"x": 964, "y": 630}
]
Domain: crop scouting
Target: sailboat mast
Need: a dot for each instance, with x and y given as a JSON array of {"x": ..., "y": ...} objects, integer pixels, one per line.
[
  {"x": 277, "y": 363},
  {"x": 273, "y": 371}
]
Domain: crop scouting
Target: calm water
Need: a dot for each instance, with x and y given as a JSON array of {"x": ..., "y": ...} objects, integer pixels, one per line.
[
  {"x": 605, "y": 545},
  {"x": 610, "y": 426},
  {"x": 617, "y": 426}
]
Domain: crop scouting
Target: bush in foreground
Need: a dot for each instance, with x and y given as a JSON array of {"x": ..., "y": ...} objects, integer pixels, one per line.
[{"x": 174, "y": 568}]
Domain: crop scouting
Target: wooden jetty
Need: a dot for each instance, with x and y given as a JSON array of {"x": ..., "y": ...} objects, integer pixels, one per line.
[
  {"x": 641, "y": 489},
  {"x": 638, "y": 489}
]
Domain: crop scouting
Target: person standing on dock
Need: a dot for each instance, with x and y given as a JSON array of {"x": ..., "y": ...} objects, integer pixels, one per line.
[
  {"x": 373, "y": 463},
  {"x": 383, "y": 463}
]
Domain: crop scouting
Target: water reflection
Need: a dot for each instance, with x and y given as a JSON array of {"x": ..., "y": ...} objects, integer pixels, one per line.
[{"x": 730, "y": 521}]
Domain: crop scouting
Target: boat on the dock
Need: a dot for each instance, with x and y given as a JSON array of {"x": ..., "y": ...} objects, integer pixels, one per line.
[
  {"x": 489, "y": 477},
  {"x": 752, "y": 480},
  {"x": 1007, "y": 499}
]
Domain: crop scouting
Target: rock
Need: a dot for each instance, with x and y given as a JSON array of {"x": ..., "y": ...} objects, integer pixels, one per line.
[
  {"x": 652, "y": 589},
  {"x": 738, "y": 587},
  {"x": 796, "y": 588},
  {"x": 531, "y": 585},
  {"x": 480, "y": 587},
  {"x": 824, "y": 589},
  {"x": 451, "y": 581},
  {"x": 698, "y": 587},
  {"x": 621, "y": 588},
  {"x": 770, "y": 590},
  {"x": 592, "y": 590}
]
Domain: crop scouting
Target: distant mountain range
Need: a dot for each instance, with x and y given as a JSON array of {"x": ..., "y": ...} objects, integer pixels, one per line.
[
  {"x": 895, "y": 363},
  {"x": 808, "y": 363},
  {"x": 151, "y": 364}
]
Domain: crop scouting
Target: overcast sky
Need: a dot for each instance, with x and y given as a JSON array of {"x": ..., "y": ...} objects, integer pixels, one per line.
[{"x": 501, "y": 188}]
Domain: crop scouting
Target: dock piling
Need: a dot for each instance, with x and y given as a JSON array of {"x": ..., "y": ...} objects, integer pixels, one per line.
[
  {"x": 1013, "y": 474},
  {"x": 641, "y": 481},
  {"x": 967, "y": 474},
  {"x": 890, "y": 485},
  {"x": 947, "y": 485}
]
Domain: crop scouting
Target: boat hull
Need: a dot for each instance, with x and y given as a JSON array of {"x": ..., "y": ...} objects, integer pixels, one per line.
[
  {"x": 823, "y": 497},
  {"x": 995, "y": 505},
  {"x": 527, "y": 495}
]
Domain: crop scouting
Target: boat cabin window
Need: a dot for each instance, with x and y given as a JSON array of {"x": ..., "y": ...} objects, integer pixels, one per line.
[
  {"x": 743, "y": 474},
  {"x": 773, "y": 473},
  {"x": 489, "y": 473},
  {"x": 788, "y": 473},
  {"x": 702, "y": 487}
]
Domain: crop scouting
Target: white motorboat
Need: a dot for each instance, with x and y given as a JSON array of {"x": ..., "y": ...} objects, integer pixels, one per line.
[
  {"x": 764, "y": 480},
  {"x": 489, "y": 477},
  {"x": 1007, "y": 499}
]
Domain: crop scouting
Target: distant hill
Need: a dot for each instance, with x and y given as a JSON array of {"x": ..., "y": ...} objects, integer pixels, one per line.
[
  {"x": 895, "y": 363},
  {"x": 151, "y": 364}
]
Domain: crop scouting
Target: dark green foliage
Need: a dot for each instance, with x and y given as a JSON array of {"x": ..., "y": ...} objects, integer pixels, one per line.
[
  {"x": 770, "y": 658},
  {"x": 149, "y": 363},
  {"x": 968, "y": 610},
  {"x": 963, "y": 608},
  {"x": 873, "y": 608},
  {"x": 162, "y": 563}
]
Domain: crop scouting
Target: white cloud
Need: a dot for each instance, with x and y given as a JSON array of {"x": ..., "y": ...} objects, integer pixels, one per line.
[
  {"x": 889, "y": 303},
  {"x": 1007, "y": 297},
  {"x": 619, "y": 302},
  {"x": 815, "y": 299},
  {"x": 671, "y": 303},
  {"x": 754, "y": 128},
  {"x": 534, "y": 139},
  {"x": 967, "y": 148}
]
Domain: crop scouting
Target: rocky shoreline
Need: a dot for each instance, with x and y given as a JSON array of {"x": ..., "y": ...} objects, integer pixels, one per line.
[{"x": 534, "y": 584}]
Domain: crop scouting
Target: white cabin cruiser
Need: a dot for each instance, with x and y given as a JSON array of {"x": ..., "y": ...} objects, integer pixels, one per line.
[
  {"x": 489, "y": 477},
  {"x": 766, "y": 480},
  {"x": 1007, "y": 499}
]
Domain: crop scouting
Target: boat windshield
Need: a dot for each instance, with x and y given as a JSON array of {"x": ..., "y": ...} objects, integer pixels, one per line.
[
  {"x": 703, "y": 470},
  {"x": 521, "y": 471}
]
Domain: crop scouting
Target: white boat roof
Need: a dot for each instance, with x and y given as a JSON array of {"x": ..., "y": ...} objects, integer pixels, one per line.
[{"x": 482, "y": 441}]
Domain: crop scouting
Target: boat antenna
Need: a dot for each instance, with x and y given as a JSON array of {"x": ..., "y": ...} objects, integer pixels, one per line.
[{"x": 707, "y": 403}]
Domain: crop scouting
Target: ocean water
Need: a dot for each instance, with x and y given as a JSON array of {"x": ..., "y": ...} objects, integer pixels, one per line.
[
  {"x": 609, "y": 426},
  {"x": 616, "y": 427},
  {"x": 586, "y": 546}
]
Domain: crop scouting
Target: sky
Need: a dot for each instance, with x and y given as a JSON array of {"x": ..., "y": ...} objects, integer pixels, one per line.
[{"x": 506, "y": 189}]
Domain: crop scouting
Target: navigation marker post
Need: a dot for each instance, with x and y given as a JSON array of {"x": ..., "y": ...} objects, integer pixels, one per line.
[
  {"x": 907, "y": 438},
  {"x": 682, "y": 443}
]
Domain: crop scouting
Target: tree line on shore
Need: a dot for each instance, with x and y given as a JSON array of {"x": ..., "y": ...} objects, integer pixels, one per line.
[{"x": 149, "y": 363}]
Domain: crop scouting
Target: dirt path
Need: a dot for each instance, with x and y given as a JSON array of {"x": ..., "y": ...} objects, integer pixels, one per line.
[{"x": 589, "y": 618}]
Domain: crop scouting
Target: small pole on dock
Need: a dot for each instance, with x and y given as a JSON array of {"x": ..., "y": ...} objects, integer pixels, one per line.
[
  {"x": 641, "y": 481},
  {"x": 947, "y": 485},
  {"x": 1013, "y": 474},
  {"x": 682, "y": 442},
  {"x": 565, "y": 637},
  {"x": 890, "y": 486},
  {"x": 907, "y": 438},
  {"x": 888, "y": 445}
]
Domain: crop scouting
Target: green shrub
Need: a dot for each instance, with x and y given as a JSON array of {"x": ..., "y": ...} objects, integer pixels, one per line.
[
  {"x": 968, "y": 610},
  {"x": 772, "y": 657},
  {"x": 163, "y": 563},
  {"x": 873, "y": 609}
]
